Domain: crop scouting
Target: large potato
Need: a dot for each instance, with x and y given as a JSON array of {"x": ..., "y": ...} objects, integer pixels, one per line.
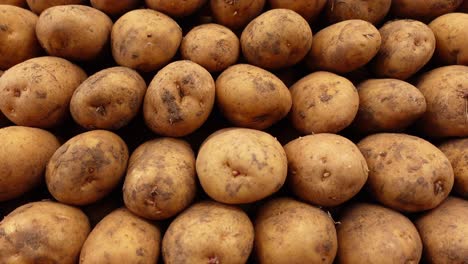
[
  {"x": 20, "y": 3},
  {"x": 456, "y": 151},
  {"x": 423, "y": 10},
  {"x": 309, "y": 9},
  {"x": 176, "y": 8},
  {"x": 115, "y": 7},
  {"x": 373, "y": 11},
  {"x": 236, "y": 14},
  {"x": 37, "y": 6}
]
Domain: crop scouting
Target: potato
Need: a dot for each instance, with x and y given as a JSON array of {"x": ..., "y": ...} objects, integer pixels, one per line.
[
  {"x": 372, "y": 11},
  {"x": 323, "y": 102},
  {"x": 309, "y": 10},
  {"x": 37, "y": 6},
  {"x": 249, "y": 96},
  {"x": 17, "y": 35},
  {"x": 423, "y": 10},
  {"x": 344, "y": 46},
  {"x": 179, "y": 99},
  {"x": 145, "y": 40},
  {"x": 43, "y": 232},
  {"x": 266, "y": 45},
  {"x": 115, "y": 7},
  {"x": 288, "y": 231},
  {"x": 371, "y": 233},
  {"x": 407, "y": 173},
  {"x": 388, "y": 105},
  {"x": 175, "y": 8},
  {"x": 109, "y": 99},
  {"x": 87, "y": 167},
  {"x": 236, "y": 14},
  {"x": 20, "y": 3},
  {"x": 456, "y": 151},
  {"x": 209, "y": 232},
  {"x": 407, "y": 45},
  {"x": 446, "y": 93},
  {"x": 160, "y": 179},
  {"x": 122, "y": 237}
]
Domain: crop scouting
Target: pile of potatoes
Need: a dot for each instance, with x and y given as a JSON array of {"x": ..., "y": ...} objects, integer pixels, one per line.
[{"x": 233, "y": 131}]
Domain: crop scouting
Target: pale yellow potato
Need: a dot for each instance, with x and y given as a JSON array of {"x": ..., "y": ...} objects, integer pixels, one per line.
[
  {"x": 115, "y": 7},
  {"x": 373, "y": 11},
  {"x": 236, "y": 14},
  {"x": 175, "y": 8},
  {"x": 308, "y": 9},
  {"x": 456, "y": 151},
  {"x": 37, "y": 6}
]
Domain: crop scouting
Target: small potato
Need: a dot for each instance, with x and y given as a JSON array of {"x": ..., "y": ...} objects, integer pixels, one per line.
[
  {"x": 323, "y": 102},
  {"x": 407, "y": 173},
  {"x": 122, "y": 237},
  {"x": 456, "y": 151},
  {"x": 176, "y": 8},
  {"x": 372, "y": 11},
  {"x": 37, "y": 6},
  {"x": 423, "y": 10},
  {"x": 109, "y": 99},
  {"x": 236, "y": 14},
  {"x": 145, "y": 40},
  {"x": 179, "y": 99},
  {"x": 209, "y": 232},
  {"x": 20, "y": 3},
  {"x": 308, "y": 9},
  {"x": 43, "y": 232},
  {"x": 267, "y": 45},
  {"x": 87, "y": 167},
  {"x": 115, "y": 7},
  {"x": 37, "y": 92}
]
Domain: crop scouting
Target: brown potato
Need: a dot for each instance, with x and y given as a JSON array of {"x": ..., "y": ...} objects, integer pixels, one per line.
[
  {"x": 37, "y": 6},
  {"x": 209, "y": 232},
  {"x": 43, "y": 232},
  {"x": 269, "y": 46},
  {"x": 236, "y": 14},
  {"x": 115, "y": 7},
  {"x": 309, "y": 10},
  {"x": 407, "y": 173},
  {"x": 175, "y": 8},
  {"x": 37, "y": 92},
  {"x": 372, "y": 11},
  {"x": 323, "y": 102},
  {"x": 371, "y": 233},
  {"x": 423, "y": 10},
  {"x": 109, "y": 99},
  {"x": 20, "y": 3},
  {"x": 456, "y": 151}
]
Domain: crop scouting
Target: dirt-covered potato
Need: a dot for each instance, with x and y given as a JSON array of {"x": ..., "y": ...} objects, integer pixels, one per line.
[
  {"x": 179, "y": 99},
  {"x": 235, "y": 14},
  {"x": 423, "y": 10},
  {"x": 456, "y": 151},
  {"x": 249, "y": 96},
  {"x": 145, "y": 40},
  {"x": 344, "y": 46},
  {"x": 20, "y": 3},
  {"x": 37, "y": 92},
  {"x": 387, "y": 105},
  {"x": 87, "y": 167},
  {"x": 241, "y": 165},
  {"x": 176, "y": 8},
  {"x": 43, "y": 232},
  {"x": 372, "y": 11},
  {"x": 115, "y": 7},
  {"x": 446, "y": 93},
  {"x": 270, "y": 46},
  {"x": 209, "y": 232},
  {"x": 371, "y": 233},
  {"x": 323, "y": 102},
  {"x": 309, "y": 9},
  {"x": 17, "y": 35},
  {"x": 406, "y": 173},
  {"x": 288, "y": 231},
  {"x": 37, "y": 6},
  {"x": 109, "y": 99},
  {"x": 122, "y": 237}
]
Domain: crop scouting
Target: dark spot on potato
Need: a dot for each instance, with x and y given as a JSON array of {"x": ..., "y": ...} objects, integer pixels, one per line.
[
  {"x": 135, "y": 56},
  {"x": 3, "y": 27},
  {"x": 40, "y": 94},
  {"x": 260, "y": 118},
  {"x": 260, "y": 165},
  {"x": 232, "y": 189},
  {"x": 438, "y": 187},
  {"x": 140, "y": 252},
  {"x": 174, "y": 115},
  {"x": 213, "y": 260},
  {"x": 324, "y": 97}
]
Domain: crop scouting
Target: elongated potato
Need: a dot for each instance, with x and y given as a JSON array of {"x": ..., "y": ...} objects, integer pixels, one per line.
[
  {"x": 309, "y": 9},
  {"x": 236, "y": 14},
  {"x": 456, "y": 151},
  {"x": 423, "y": 10},
  {"x": 37, "y": 6},
  {"x": 373, "y": 11}
]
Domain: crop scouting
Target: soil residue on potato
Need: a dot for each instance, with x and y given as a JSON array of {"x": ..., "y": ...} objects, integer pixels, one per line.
[{"x": 174, "y": 111}]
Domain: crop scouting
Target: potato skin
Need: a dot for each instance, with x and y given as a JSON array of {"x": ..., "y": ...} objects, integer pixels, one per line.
[
  {"x": 251, "y": 97},
  {"x": 309, "y": 10},
  {"x": 175, "y": 8},
  {"x": 423, "y": 10},
  {"x": 115, "y": 8},
  {"x": 122, "y": 237},
  {"x": 407, "y": 173},
  {"x": 372, "y": 11},
  {"x": 37, "y": 6},
  {"x": 209, "y": 232},
  {"x": 456, "y": 151},
  {"x": 43, "y": 232},
  {"x": 236, "y": 14},
  {"x": 371, "y": 233},
  {"x": 20, "y": 3}
]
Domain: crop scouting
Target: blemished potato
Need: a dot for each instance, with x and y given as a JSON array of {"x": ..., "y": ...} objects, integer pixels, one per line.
[
  {"x": 160, "y": 179},
  {"x": 241, "y": 165},
  {"x": 109, "y": 99},
  {"x": 269, "y": 46},
  {"x": 209, "y": 232},
  {"x": 309, "y": 10},
  {"x": 388, "y": 105},
  {"x": 451, "y": 33},
  {"x": 423, "y": 10},
  {"x": 236, "y": 14},
  {"x": 24, "y": 154},
  {"x": 122, "y": 237},
  {"x": 407, "y": 173},
  {"x": 179, "y": 99},
  {"x": 251, "y": 97},
  {"x": 289, "y": 231},
  {"x": 446, "y": 93},
  {"x": 87, "y": 167},
  {"x": 344, "y": 46},
  {"x": 20, "y": 3},
  {"x": 115, "y": 7},
  {"x": 325, "y": 169},
  {"x": 37, "y": 6},
  {"x": 17, "y": 35},
  {"x": 176, "y": 8},
  {"x": 323, "y": 102},
  {"x": 407, "y": 45},
  {"x": 456, "y": 151},
  {"x": 43, "y": 232},
  {"x": 372, "y": 11},
  {"x": 37, "y": 92},
  {"x": 145, "y": 40},
  {"x": 371, "y": 233}
]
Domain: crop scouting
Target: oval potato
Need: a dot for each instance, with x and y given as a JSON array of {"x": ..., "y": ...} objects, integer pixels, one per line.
[
  {"x": 37, "y": 6},
  {"x": 423, "y": 10},
  {"x": 115, "y": 8},
  {"x": 372, "y": 11},
  {"x": 236, "y": 14},
  {"x": 456, "y": 151},
  {"x": 309, "y": 10}
]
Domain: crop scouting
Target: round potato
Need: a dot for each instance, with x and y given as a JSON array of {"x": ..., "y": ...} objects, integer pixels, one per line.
[
  {"x": 309, "y": 10},
  {"x": 456, "y": 151},
  {"x": 252, "y": 97},
  {"x": 37, "y": 6},
  {"x": 87, "y": 167},
  {"x": 371, "y": 233},
  {"x": 236, "y": 14},
  {"x": 122, "y": 237},
  {"x": 176, "y": 8},
  {"x": 115, "y": 7},
  {"x": 423, "y": 10},
  {"x": 323, "y": 102},
  {"x": 109, "y": 99},
  {"x": 37, "y": 92},
  {"x": 160, "y": 179},
  {"x": 372, "y": 11},
  {"x": 20, "y": 3},
  {"x": 43, "y": 232},
  {"x": 266, "y": 45},
  {"x": 209, "y": 232},
  {"x": 407, "y": 173}
]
